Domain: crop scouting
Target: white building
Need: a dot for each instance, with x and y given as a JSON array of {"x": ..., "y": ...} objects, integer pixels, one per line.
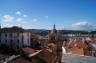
[{"x": 15, "y": 37}]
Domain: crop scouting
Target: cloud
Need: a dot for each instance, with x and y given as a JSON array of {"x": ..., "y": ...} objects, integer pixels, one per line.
[
  {"x": 7, "y": 25},
  {"x": 21, "y": 20},
  {"x": 25, "y": 15},
  {"x": 84, "y": 25},
  {"x": 18, "y": 13},
  {"x": 7, "y": 18},
  {"x": 81, "y": 24},
  {"x": 19, "y": 25},
  {"x": 34, "y": 20},
  {"x": 46, "y": 16}
]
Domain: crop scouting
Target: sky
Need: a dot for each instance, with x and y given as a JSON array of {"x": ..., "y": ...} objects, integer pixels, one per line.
[{"x": 42, "y": 14}]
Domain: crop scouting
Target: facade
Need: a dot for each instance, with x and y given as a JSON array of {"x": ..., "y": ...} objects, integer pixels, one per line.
[{"x": 15, "y": 37}]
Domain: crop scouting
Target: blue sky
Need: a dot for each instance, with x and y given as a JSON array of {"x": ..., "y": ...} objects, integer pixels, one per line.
[{"x": 42, "y": 14}]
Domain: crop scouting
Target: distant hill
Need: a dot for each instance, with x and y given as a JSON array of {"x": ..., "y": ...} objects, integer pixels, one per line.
[
  {"x": 44, "y": 32},
  {"x": 93, "y": 32},
  {"x": 41, "y": 32},
  {"x": 73, "y": 31}
]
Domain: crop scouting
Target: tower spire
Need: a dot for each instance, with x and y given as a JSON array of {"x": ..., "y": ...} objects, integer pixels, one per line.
[
  {"x": 54, "y": 31},
  {"x": 54, "y": 26}
]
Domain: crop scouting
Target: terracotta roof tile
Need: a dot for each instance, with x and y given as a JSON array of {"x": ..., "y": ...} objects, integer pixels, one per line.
[
  {"x": 43, "y": 54},
  {"x": 94, "y": 41},
  {"x": 78, "y": 44},
  {"x": 79, "y": 47},
  {"x": 49, "y": 57},
  {"x": 25, "y": 60},
  {"x": 77, "y": 51},
  {"x": 30, "y": 51}
]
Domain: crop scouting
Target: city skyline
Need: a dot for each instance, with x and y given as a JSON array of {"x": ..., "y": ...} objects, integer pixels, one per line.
[{"x": 42, "y": 14}]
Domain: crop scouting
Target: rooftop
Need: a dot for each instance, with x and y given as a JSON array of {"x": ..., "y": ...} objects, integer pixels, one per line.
[
  {"x": 12, "y": 30},
  {"x": 35, "y": 56}
]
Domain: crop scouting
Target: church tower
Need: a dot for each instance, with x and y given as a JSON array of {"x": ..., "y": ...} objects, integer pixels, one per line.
[
  {"x": 52, "y": 37},
  {"x": 54, "y": 31},
  {"x": 55, "y": 42}
]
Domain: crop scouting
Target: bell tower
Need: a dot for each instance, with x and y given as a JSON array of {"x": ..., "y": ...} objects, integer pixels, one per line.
[
  {"x": 54, "y": 31},
  {"x": 55, "y": 43}
]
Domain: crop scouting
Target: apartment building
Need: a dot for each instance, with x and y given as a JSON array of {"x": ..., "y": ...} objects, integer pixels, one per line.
[{"x": 15, "y": 37}]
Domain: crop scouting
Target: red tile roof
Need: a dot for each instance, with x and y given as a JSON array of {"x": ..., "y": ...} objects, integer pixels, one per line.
[
  {"x": 49, "y": 57},
  {"x": 30, "y": 51},
  {"x": 77, "y": 51},
  {"x": 94, "y": 41},
  {"x": 43, "y": 54},
  {"x": 25, "y": 60},
  {"x": 78, "y": 44},
  {"x": 80, "y": 48},
  {"x": 35, "y": 36}
]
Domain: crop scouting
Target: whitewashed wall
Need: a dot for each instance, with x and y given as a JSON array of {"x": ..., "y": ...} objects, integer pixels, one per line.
[{"x": 23, "y": 38}]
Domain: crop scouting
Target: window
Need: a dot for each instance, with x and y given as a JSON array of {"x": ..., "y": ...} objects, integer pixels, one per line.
[
  {"x": 11, "y": 43},
  {"x": 5, "y": 35},
  {"x": 18, "y": 41},
  {"x": 22, "y": 39},
  {"x": 27, "y": 34},
  {"x": 5, "y": 41},
  {"x": 10, "y": 35},
  {"x": 17, "y": 34}
]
